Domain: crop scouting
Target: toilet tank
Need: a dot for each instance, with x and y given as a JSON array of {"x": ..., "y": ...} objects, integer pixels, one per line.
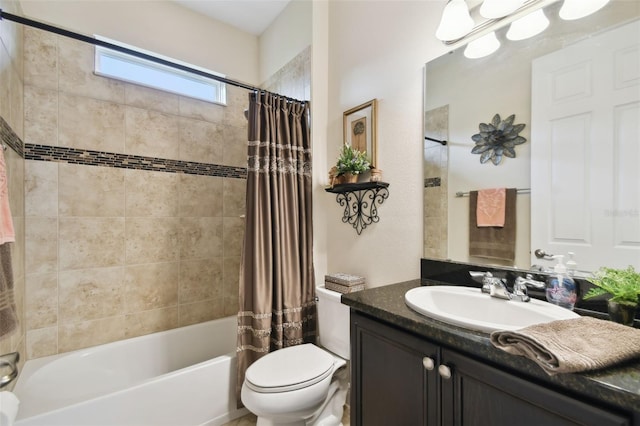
[{"x": 333, "y": 322}]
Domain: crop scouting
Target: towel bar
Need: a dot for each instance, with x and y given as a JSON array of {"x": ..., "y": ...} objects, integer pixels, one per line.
[{"x": 519, "y": 191}]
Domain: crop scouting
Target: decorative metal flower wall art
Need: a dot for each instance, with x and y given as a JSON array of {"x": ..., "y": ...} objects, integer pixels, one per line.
[{"x": 498, "y": 139}]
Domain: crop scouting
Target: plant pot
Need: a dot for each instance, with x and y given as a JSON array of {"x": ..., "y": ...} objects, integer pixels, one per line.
[
  {"x": 620, "y": 313},
  {"x": 349, "y": 178}
]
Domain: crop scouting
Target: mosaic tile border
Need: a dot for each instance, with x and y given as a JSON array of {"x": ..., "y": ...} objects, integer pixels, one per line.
[
  {"x": 126, "y": 161},
  {"x": 10, "y": 138},
  {"x": 432, "y": 182}
]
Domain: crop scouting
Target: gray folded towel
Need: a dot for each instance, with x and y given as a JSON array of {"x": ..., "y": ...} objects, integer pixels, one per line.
[
  {"x": 8, "y": 315},
  {"x": 570, "y": 346}
]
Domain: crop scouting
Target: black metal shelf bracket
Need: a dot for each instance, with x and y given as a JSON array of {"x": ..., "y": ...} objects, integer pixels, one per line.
[{"x": 360, "y": 202}]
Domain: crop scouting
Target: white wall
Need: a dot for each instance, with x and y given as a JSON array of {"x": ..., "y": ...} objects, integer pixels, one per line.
[
  {"x": 159, "y": 26},
  {"x": 377, "y": 50},
  {"x": 287, "y": 36}
]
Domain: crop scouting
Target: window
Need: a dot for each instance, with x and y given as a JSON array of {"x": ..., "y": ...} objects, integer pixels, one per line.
[{"x": 132, "y": 69}]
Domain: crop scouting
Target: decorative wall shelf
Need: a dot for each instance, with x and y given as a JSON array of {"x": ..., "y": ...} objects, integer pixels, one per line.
[{"x": 360, "y": 202}]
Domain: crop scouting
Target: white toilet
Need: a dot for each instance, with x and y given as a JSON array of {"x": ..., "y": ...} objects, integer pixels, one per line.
[{"x": 304, "y": 384}]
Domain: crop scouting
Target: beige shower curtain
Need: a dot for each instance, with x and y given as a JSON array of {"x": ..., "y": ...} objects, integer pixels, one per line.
[{"x": 277, "y": 291}]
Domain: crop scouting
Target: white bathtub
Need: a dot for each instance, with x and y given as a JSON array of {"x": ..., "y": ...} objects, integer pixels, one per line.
[{"x": 180, "y": 377}]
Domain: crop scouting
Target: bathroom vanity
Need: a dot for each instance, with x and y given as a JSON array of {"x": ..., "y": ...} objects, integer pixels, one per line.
[{"x": 408, "y": 369}]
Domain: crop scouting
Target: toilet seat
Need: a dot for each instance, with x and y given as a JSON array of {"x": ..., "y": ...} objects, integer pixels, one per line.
[{"x": 289, "y": 369}]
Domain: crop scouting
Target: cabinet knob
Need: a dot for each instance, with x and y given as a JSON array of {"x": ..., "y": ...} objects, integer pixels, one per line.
[
  {"x": 445, "y": 372},
  {"x": 428, "y": 363}
]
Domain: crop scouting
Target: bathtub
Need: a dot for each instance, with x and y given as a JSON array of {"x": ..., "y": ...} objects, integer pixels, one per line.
[{"x": 181, "y": 377}]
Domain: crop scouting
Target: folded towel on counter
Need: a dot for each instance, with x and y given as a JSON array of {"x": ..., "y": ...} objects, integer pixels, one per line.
[
  {"x": 574, "y": 345},
  {"x": 493, "y": 242},
  {"x": 490, "y": 209}
]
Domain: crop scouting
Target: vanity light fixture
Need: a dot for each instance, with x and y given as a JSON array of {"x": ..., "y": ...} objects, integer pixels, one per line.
[
  {"x": 483, "y": 46},
  {"x": 528, "y": 26},
  {"x": 525, "y": 16},
  {"x": 576, "y": 9},
  {"x": 493, "y": 9}
]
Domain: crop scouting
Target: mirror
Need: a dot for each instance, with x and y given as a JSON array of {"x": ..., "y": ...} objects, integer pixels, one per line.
[{"x": 461, "y": 93}]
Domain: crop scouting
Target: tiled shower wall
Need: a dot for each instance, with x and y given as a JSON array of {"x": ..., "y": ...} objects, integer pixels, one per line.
[
  {"x": 119, "y": 241},
  {"x": 11, "y": 131}
]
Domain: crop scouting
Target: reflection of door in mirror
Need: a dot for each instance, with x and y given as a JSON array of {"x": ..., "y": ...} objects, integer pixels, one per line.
[{"x": 585, "y": 179}]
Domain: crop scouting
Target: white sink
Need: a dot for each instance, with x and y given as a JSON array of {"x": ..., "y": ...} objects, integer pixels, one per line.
[{"x": 468, "y": 307}]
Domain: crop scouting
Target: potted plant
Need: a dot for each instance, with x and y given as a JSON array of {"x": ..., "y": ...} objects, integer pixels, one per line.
[
  {"x": 623, "y": 285},
  {"x": 351, "y": 163}
]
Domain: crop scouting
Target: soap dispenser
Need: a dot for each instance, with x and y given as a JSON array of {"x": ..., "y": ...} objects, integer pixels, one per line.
[
  {"x": 572, "y": 266},
  {"x": 561, "y": 289}
]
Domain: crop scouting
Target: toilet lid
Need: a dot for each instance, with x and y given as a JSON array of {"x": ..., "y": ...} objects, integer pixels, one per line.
[{"x": 289, "y": 369}]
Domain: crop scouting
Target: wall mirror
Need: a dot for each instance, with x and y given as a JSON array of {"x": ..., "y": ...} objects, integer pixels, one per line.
[
  {"x": 359, "y": 128},
  {"x": 460, "y": 93}
]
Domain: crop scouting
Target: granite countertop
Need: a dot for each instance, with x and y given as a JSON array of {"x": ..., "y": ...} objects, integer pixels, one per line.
[{"x": 618, "y": 386}]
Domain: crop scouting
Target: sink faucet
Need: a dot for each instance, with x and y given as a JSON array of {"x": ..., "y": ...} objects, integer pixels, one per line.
[{"x": 497, "y": 287}]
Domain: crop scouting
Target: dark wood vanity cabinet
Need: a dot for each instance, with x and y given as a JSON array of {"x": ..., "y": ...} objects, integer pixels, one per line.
[{"x": 399, "y": 379}]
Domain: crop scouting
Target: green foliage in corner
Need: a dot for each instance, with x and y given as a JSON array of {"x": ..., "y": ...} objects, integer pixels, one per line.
[{"x": 622, "y": 284}]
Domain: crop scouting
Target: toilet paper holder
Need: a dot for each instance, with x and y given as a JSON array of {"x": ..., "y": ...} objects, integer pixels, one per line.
[{"x": 9, "y": 361}]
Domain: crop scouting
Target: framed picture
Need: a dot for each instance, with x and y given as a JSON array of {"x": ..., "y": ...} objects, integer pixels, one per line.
[{"x": 359, "y": 129}]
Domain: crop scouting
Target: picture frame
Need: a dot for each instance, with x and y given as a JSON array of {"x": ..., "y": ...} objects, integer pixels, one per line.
[{"x": 360, "y": 129}]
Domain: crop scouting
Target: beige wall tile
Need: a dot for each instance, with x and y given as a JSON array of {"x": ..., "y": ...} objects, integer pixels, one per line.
[
  {"x": 41, "y": 188},
  {"x": 15, "y": 175},
  {"x": 193, "y": 313},
  {"x": 234, "y": 152},
  {"x": 5, "y": 83},
  {"x": 151, "y": 240},
  {"x": 237, "y": 102},
  {"x": 231, "y": 276},
  {"x": 80, "y": 335},
  {"x": 234, "y": 197},
  {"x": 147, "y": 98},
  {"x": 233, "y": 236},
  {"x": 200, "y": 141},
  {"x": 201, "y": 238},
  {"x": 201, "y": 110},
  {"x": 75, "y": 65},
  {"x": 151, "y": 286},
  {"x": 41, "y": 300},
  {"x": 200, "y": 196},
  {"x": 87, "y": 242},
  {"x": 89, "y": 294},
  {"x": 42, "y": 342},
  {"x": 17, "y": 251},
  {"x": 40, "y": 58},
  {"x": 16, "y": 120},
  {"x": 200, "y": 280},
  {"x": 40, "y": 116},
  {"x": 91, "y": 191},
  {"x": 41, "y": 245},
  {"x": 91, "y": 124},
  {"x": 140, "y": 323},
  {"x": 152, "y": 193},
  {"x": 151, "y": 133}
]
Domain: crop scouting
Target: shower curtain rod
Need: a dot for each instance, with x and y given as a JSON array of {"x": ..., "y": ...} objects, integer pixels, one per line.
[{"x": 91, "y": 40}]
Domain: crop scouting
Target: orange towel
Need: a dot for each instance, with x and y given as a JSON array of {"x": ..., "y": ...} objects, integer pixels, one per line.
[
  {"x": 491, "y": 207},
  {"x": 7, "y": 234}
]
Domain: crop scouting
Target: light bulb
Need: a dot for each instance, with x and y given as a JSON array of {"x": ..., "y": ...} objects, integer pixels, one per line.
[
  {"x": 493, "y": 9},
  {"x": 528, "y": 26},
  {"x": 455, "y": 22},
  {"x": 576, "y": 9},
  {"x": 484, "y": 46}
]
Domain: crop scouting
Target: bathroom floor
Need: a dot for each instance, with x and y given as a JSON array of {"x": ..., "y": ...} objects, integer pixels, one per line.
[{"x": 250, "y": 419}]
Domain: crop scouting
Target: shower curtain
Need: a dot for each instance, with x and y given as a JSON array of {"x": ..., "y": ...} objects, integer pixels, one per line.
[{"x": 277, "y": 289}]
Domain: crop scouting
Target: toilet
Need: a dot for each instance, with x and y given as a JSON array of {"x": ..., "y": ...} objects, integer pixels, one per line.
[{"x": 304, "y": 384}]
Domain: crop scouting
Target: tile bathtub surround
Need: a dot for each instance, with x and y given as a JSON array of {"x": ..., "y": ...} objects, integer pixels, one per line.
[{"x": 133, "y": 203}]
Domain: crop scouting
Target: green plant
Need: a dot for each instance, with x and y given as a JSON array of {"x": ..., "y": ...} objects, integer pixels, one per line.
[
  {"x": 622, "y": 284},
  {"x": 352, "y": 161}
]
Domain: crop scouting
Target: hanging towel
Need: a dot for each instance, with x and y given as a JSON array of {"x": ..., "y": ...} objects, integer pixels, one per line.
[
  {"x": 490, "y": 208},
  {"x": 493, "y": 242},
  {"x": 8, "y": 316},
  {"x": 574, "y": 345},
  {"x": 7, "y": 233}
]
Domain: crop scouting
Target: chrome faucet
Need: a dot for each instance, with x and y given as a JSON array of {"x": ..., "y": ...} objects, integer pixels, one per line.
[{"x": 497, "y": 287}]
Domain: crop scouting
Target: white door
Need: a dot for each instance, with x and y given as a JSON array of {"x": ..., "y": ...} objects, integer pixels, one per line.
[{"x": 585, "y": 150}]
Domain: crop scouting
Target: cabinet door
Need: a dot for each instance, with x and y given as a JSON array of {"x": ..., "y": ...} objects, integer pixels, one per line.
[
  {"x": 479, "y": 395},
  {"x": 393, "y": 376}
]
